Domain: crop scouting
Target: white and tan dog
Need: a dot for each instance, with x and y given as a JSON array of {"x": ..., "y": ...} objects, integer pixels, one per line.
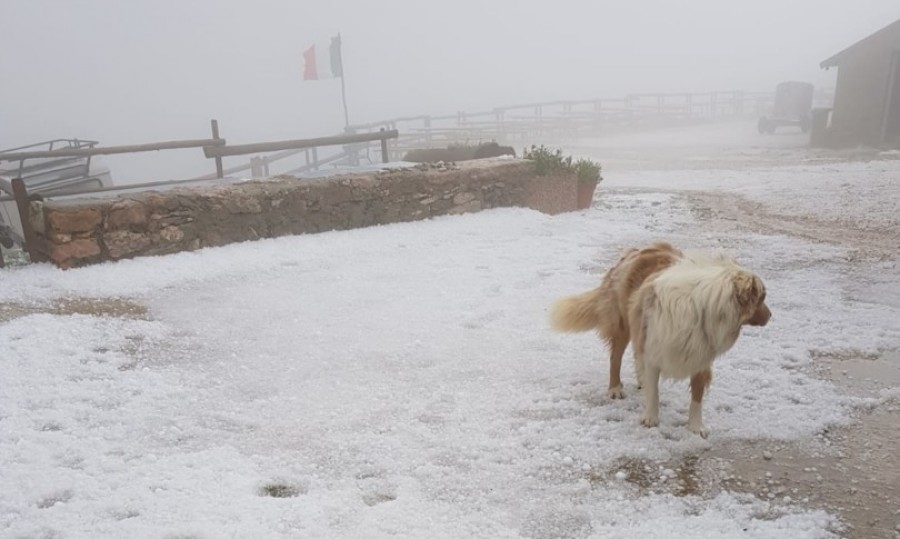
[{"x": 679, "y": 313}]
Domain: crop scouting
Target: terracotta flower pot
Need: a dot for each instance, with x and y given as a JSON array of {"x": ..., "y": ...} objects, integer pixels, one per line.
[{"x": 586, "y": 193}]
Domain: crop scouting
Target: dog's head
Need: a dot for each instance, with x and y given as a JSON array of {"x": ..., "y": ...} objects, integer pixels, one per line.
[{"x": 750, "y": 293}]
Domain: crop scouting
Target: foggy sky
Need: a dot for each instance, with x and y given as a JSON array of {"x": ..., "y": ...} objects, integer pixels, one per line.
[{"x": 132, "y": 71}]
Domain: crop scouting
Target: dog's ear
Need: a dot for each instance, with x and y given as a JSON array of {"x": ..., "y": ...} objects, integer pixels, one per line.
[{"x": 746, "y": 290}]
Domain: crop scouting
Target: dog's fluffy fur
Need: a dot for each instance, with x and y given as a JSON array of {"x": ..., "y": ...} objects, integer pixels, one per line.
[
  {"x": 605, "y": 308},
  {"x": 678, "y": 311}
]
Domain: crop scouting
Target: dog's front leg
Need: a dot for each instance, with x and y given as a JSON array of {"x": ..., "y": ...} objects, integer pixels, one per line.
[
  {"x": 639, "y": 370},
  {"x": 695, "y": 414},
  {"x": 651, "y": 396}
]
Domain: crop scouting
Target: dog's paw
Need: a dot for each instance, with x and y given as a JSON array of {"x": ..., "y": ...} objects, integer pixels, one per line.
[
  {"x": 650, "y": 421},
  {"x": 616, "y": 393},
  {"x": 699, "y": 429}
]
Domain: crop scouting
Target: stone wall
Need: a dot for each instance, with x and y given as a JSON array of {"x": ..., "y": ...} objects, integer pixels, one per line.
[{"x": 84, "y": 231}]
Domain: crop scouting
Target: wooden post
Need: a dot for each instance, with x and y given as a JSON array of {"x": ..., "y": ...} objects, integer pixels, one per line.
[
  {"x": 215, "y": 134},
  {"x": 384, "y": 148},
  {"x": 20, "y": 192},
  {"x": 256, "y": 167}
]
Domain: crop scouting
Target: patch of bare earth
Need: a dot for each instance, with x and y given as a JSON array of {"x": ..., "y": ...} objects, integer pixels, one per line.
[
  {"x": 866, "y": 242},
  {"x": 113, "y": 307}
]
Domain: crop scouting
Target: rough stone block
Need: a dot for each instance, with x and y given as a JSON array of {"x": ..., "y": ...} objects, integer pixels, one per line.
[
  {"x": 123, "y": 243},
  {"x": 127, "y": 215},
  {"x": 74, "y": 219},
  {"x": 73, "y": 253}
]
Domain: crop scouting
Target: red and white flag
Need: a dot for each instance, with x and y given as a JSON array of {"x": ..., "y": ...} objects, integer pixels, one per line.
[{"x": 323, "y": 61}]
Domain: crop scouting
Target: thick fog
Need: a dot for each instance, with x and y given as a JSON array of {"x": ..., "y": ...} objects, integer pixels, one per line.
[{"x": 135, "y": 71}]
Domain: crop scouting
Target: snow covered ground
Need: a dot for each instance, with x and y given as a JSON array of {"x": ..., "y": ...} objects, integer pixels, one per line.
[{"x": 401, "y": 381}]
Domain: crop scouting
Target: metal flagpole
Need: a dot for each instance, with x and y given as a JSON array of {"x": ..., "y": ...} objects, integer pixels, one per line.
[
  {"x": 343, "y": 86},
  {"x": 344, "y": 98}
]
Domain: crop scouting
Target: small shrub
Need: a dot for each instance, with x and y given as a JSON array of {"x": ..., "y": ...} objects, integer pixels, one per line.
[
  {"x": 548, "y": 161},
  {"x": 589, "y": 170}
]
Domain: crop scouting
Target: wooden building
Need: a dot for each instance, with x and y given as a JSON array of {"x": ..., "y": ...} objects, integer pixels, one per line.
[{"x": 867, "y": 95}]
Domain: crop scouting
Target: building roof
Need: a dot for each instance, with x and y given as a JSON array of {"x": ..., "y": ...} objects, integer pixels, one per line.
[{"x": 835, "y": 60}]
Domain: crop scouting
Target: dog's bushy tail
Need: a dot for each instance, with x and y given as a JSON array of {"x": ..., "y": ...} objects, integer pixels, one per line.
[{"x": 577, "y": 313}]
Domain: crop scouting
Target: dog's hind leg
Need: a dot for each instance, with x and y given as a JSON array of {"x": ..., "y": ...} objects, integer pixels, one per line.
[
  {"x": 637, "y": 322},
  {"x": 651, "y": 396},
  {"x": 617, "y": 347},
  {"x": 699, "y": 383}
]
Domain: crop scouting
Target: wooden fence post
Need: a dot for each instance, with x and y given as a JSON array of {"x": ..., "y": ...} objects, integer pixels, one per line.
[
  {"x": 215, "y": 134},
  {"x": 384, "y": 148},
  {"x": 20, "y": 193},
  {"x": 256, "y": 168}
]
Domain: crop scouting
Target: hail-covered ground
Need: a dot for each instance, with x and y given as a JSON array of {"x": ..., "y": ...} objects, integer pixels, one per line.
[{"x": 402, "y": 380}]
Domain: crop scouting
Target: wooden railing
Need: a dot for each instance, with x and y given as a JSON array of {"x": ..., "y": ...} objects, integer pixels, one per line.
[
  {"x": 214, "y": 148},
  {"x": 565, "y": 120}
]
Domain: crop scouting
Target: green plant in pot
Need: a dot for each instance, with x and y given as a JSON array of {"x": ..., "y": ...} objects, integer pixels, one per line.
[{"x": 587, "y": 172}]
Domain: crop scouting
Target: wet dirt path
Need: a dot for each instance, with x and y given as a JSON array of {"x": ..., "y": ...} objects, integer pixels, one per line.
[{"x": 730, "y": 211}]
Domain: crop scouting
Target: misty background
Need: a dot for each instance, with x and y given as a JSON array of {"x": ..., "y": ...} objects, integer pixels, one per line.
[{"x": 127, "y": 72}]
